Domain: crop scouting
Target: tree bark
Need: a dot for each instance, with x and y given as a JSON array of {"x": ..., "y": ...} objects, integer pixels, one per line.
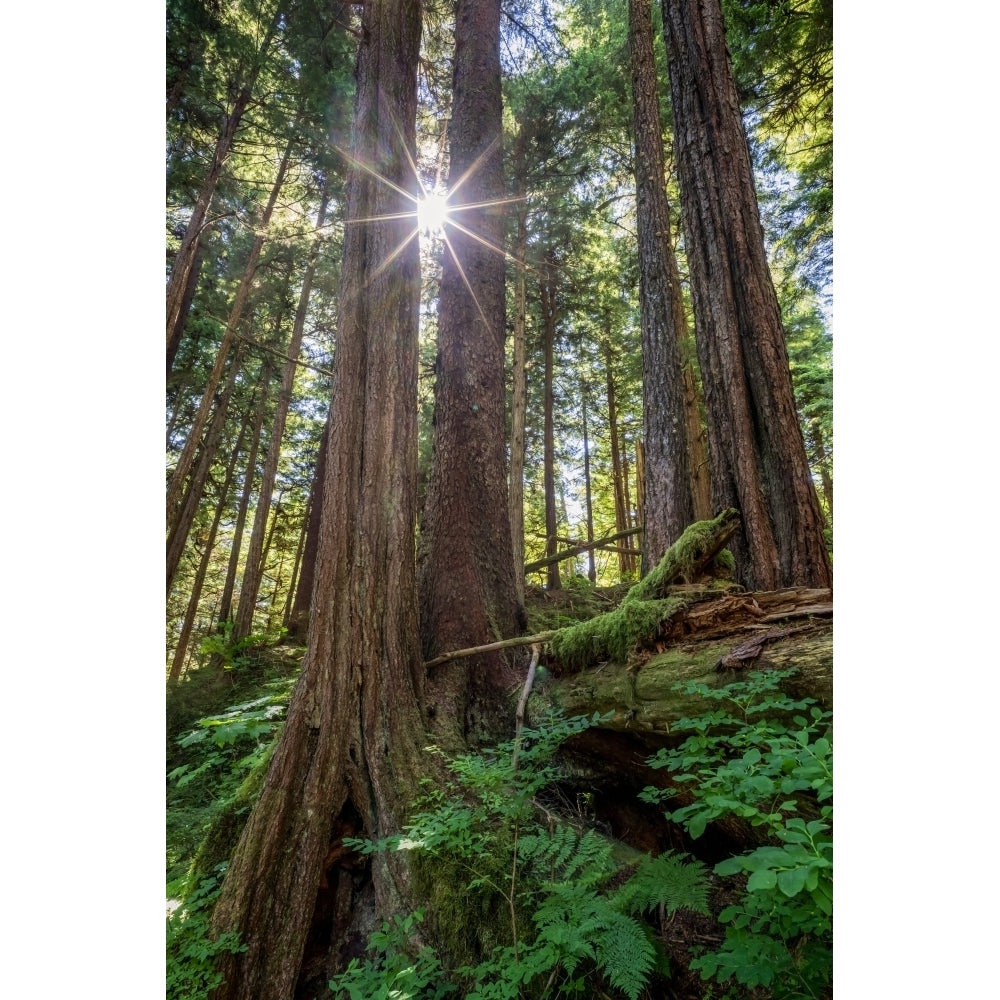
[
  {"x": 668, "y": 502},
  {"x": 349, "y": 754},
  {"x": 757, "y": 452},
  {"x": 468, "y": 585},
  {"x": 591, "y": 568}
]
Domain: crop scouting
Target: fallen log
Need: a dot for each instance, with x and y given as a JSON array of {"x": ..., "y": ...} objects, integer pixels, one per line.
[{"x": 577, "y": 550}]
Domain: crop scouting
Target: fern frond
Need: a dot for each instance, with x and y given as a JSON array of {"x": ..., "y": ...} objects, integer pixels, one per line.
[
  {"x": 667, "y": 880},
  {"x": 625, "y": 954}
]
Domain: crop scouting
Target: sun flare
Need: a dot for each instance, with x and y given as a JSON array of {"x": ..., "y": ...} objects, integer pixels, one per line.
[{"x": 432, "y": 213}]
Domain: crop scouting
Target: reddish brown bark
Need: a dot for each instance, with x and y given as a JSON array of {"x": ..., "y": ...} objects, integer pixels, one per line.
[
  {"x": 668, "y": 501},
  {"x": 467, "y": 577},
  {"x": 349, "y": 754},
  {"x": 758, "y": 456}
]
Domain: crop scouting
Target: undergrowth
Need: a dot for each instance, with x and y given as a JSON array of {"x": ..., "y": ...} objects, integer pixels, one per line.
[
  {"x": 574, "y": 911},
  {"x": 741, "y": 760}
]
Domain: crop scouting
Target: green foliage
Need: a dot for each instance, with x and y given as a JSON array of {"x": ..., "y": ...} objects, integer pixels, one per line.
[
  {"x": 212, "y": 770},
  {"x": 223, "y": 645},
  {"x": 191, "y": 954},
  {"x": 571, "y": 914},
  {"x": 741, "y": 761}
]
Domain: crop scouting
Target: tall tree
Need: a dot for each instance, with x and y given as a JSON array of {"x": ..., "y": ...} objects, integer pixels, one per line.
[
  {"x": 348, "y": 755},
  {"x": 467, "y": 576},
  {"x": 188, "y": 250},
  {"x": 669, "y": 503},
  {"x": 758, "y": 456}
]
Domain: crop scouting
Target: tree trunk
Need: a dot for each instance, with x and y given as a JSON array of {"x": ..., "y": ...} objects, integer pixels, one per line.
[
  {"x": 591, "y": 568},
  {"x": 468, "y": 585},
  {"x": 626, "y": 563},
  {"x": 519, "y": 395},
  {"x": 195, "y": 487},
  {"x": 187, "y": 626},
  {"x": 668, "y": 502},
  {"x": 254, "y": 568},
  {"x": 299, "y": 616},
  {"x": 549, "y": 434},
  {"x": 174, "y": 338},
  {"x": 183, "y": 466},
  {"x": 757, "y": 452},
  {"x": 184, "y": 259},
  {"x": 349, "y": 756},
  {"x": 229, "y": 588}
]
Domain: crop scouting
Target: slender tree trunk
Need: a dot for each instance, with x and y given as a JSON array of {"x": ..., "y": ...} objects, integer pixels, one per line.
[
  {"x": 232, "y": 570},
  {"x": 468, "y": 586},
  {"x": 591, "y": 568},
  {"x": 174, "y": 337},
  {"x": 758, "y": 455},
  {"x": 519, "y": 397},
  {"x": 349, "y": 756},
  {"x": 303, "y": 592},
  {"x": 293, "y": 579},
  {"x": 191, "y": 613},
  {"x": 823, "y": 464},
  {"x": 184, "y": 259},
  {"x": 552, "y": 580},
  {"x": 640, "y": 482},
  {"x": 195, "y": 487},
  {"x": 254, "y": 567},
  {"x": 625, "y": 561},
  {"x": 669, "y": 506},
  {"x": 235, "y": 316}
]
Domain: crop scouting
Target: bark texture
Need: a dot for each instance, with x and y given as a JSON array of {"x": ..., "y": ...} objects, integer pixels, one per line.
[
  {"x": 467, "y": 576},
  {"x": 349, "y": 753},
  {"x": 669, "y": 504},
  {"x": 757, "y": 452}
]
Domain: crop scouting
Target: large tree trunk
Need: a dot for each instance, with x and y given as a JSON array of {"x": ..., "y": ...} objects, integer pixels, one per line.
[
  {"x": 669, "y": 507},
  {"x": 349, "y": 755},
  {"x": 757, "y": 452},
  {"x": 468, "y": 585}
]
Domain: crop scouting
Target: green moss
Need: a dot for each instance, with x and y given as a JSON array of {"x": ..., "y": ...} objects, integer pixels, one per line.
[
  {"x": 613, "y": 636},
  {"x": 465, "y": 923},
  {"x": 688, "y": 557}
]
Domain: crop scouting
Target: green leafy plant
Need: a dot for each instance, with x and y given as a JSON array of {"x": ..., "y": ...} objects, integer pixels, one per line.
[
  {"x": 572, "y": 912},
  {"x": 742, "y": 760},
  {"x": 223, "y": 645},
  {"x": 191, "y": 953}
]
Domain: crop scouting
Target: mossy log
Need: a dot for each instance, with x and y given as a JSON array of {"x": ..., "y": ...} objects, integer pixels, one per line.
[{"x": 710, "y": 640}]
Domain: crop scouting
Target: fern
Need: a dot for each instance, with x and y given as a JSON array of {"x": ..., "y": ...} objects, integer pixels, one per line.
[
  {"x": 667, "y": 880},
  {"x": 626, "y": 953}
]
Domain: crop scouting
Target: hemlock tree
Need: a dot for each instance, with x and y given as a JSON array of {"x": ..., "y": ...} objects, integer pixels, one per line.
[
  {"x": 467, "y": 577},
  {"x": 758, "y": 456},
  {"x": 348, "y": 755}
]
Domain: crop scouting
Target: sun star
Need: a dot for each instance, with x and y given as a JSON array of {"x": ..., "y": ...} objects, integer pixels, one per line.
[{"x": 432, "y": 213}]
